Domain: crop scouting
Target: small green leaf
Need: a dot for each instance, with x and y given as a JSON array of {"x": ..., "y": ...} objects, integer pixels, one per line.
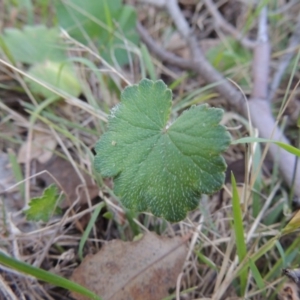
[
  {"x": 146, "y": 57},
  {"x": 34, "y": 44},
  {"x": 42, "y": 208},
  {"x": 160, "y": 167},
  {"x": 108, "y": 215},
  {"x": 89, "y": 228},
  {"x": 238, "y": 226},
  {"x": 58, "y": 75},
  {"x": 207, "y": 261},
  {"x": 258, "y": 278}
]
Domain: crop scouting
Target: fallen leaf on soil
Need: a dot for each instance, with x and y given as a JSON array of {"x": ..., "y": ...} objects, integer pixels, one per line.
[
  {"x": 42, "y": 146},
  {"x": 139, "y": 270},
  {"x": 65, "y": 174},
  {"x": 289, "y": 291}
]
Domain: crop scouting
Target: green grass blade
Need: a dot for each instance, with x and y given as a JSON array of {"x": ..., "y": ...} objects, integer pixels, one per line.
[
  {"x": 258, "y": 184},
  {"x": 108, "y": 18},
  {"x": 72, "y": 125},
  {"x": 281, "y": 252},
  {"x": 282, "y": 145},
  {"x": 45, "y": 276},
  {"x": 178, "y": 81},
  {"x": 89, "y": 228},
  {"x": 289, "y": 148},
  {"x": 189, "y": 99},
  {"x": 258, "y": 254},
  {"x": 239, "y": 232},
  {"x": 148, "y": 62},
  {"x": 6, "y": 51},
  {"x": 207, "y": 261},
  {"x": 257, "y": 277},
  {"x": 291, "y": 254}
]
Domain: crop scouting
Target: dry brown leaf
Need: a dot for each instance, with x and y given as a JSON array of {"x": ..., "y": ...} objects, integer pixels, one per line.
[
  {"x": 42, "y": 146},
  {"x": 289, "y": 291},
  {"x": 63, "y": 171},
  {"x": 139, "y": 270}
]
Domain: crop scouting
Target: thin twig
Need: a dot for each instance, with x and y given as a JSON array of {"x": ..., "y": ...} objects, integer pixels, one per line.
[
  {"x": 163, "y": 54},
  {"x": 261, "y": 59},
  {"x": 202, "y": 67},
  {"x": 285, "y": 60},
  {"x": 221, "y": 23},
  {"x": 283, "y": 8},
  {"x": 200, "y": 63},
  {"x": 262, "y": 212},
  {"x": 6, "y": 291},
  {"x": 260, "y": 110}
]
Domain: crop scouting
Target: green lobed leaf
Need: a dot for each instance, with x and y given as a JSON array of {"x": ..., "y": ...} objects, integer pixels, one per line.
[
  {"x": 160, "y": 168},
  {"x": 42, "y": 208}
]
